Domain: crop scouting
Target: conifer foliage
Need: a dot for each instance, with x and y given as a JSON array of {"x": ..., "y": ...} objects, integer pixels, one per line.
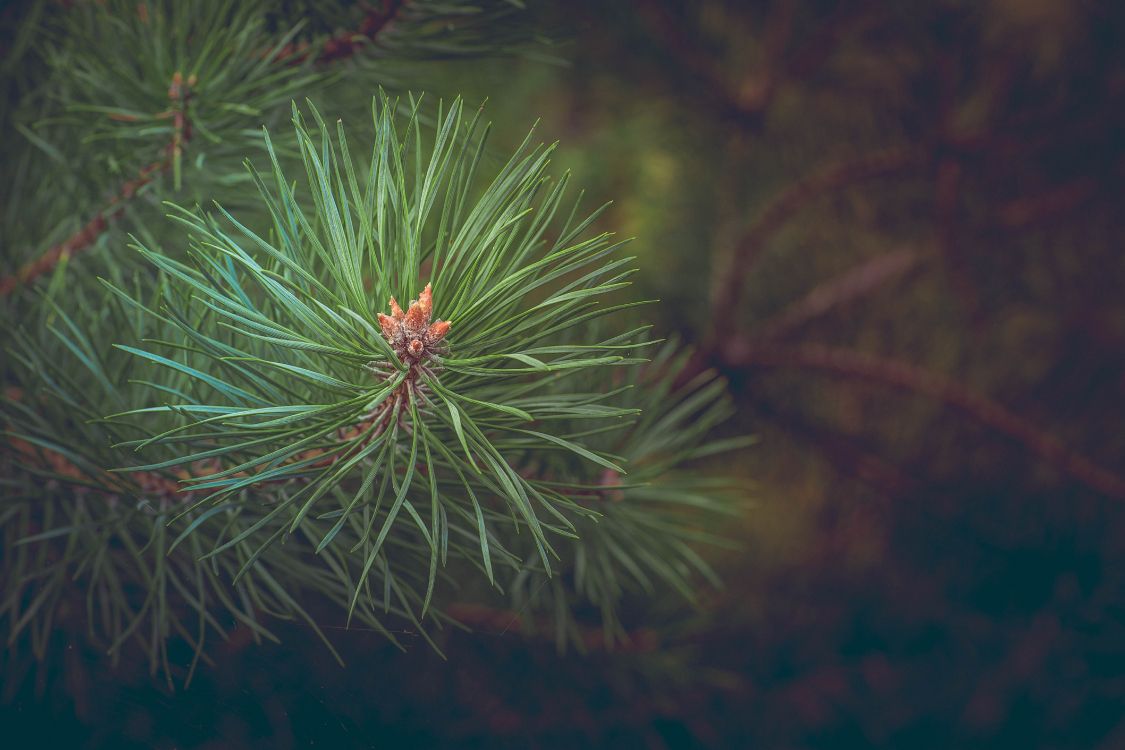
[{"x": 380, "y": 360}]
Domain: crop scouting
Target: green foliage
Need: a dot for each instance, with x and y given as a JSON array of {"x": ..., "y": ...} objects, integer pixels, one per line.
[
  {"x": 220, "y": 427},
  {"x": 650, "y": 520}
]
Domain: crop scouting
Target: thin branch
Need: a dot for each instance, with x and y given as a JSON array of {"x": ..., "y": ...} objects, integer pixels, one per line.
[
  {"x": 501, "y": 621},
  {"x": 335, "y": 48},
  {"x": 691, "y": 56},
  {"x": 345, "y": 44},
  {"x": 851, "y": 285},
  {"x": 85, "y": 237},
  {"x": 179, "y": 95},
  {"x": 908, "y": 377},
  {"x": 1024, "y": 212},
  {"x": 747, "y": 101},
  {"x": 849, "y": 16},
  {"x": 731, "y": 280}
]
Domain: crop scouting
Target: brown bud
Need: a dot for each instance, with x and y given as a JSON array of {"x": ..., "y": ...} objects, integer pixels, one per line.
[
  {"x": 416, "y": 317},
  {"x": 438, "y": 330},
  {"x": 387, "y": 323}
]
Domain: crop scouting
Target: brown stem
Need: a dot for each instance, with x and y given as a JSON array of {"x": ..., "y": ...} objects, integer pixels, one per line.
[
  {"x": 502, "y": 621},
  {"x": 179, "y": 93},
  {"x": 85, "y": 237},
  {"x": 847, "y": 18},
  {"x": 845, "y": 456},
  {"x": 693, "y": 58},
  {"x": 347, "y": 43},
  {"x": 840, "y": 290},
  {"x": 728, "y": 288},
  {"x": 335, "y": 48},
  {"x": 908, "y": 377},
  {"x": 1021, "y": 213},
  {"x": 175, "y": 486},
  {"x": 747, "y": 100}
]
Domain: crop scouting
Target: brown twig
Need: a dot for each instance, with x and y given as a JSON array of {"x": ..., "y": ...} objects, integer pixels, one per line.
[
  {"x": 501, "y": 621},
  {"x": 179, "y": 94},
  {"x": 347, "y": 43},
  {"x": 688, "y": 54},
  {"x": 747, "y": 100},
  {"x": 847, "y": 18},
  {"x": 731, "y": 279},
  {"x": 840, "y": 290},
  {"x": 908, "y": 377},
  {"x": 845, "y": 455},
  {"x": 87, "y": 235},
  {"x": 1021, "y": 213}
]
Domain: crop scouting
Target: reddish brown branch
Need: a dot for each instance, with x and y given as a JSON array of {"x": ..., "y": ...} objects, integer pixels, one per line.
[
  {"x": 347, "y": 43},
  {"x": 848, "y": 17},
  {"x": 85, "y": 237},
  {"x": 1020, "y": 213},
  {"x": 728, "y": 288},
  {"x": 501, "y": 621},
  {"x": 746, "y": 99},
  {"x": 179, "y": 94},
  {"x": 908, "y": 377},
  {"x": 689, "y": 55},
  {"x": 832, "y": 294}
]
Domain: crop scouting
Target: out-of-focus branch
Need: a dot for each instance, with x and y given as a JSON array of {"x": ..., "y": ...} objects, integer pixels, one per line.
[
  {"x": 908, "y": 377},
  {"x": 338, "y": 47},
  {"x": 845, "y": 456},
  {"x": 84, "y": 237},
  {"x": 501, "y": 621},
  {"x": 848, "y": 17},
  {"x": 747, "y": 97},
  {"x": 346, "y": 43},
  {"x": 732, "y": 275},
  {"x": 690, "y": 55},
  {"x": 840, "y": 290},
  {"x": 1020, "y": 213},
  {"x": 179, "y": 94}
]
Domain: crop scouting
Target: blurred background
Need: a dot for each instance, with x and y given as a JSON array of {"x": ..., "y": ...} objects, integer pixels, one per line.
[{"x": 896, "y": 228}]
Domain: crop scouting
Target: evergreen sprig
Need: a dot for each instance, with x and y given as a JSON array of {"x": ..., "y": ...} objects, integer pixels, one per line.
[
  {"x": 242, "y": 422},
  {"x": 285, "y": 334},
  {"x": 649, "y": 522}
]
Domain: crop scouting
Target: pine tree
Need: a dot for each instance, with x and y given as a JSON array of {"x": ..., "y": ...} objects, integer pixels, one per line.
[{"x": 284, "y": 339}]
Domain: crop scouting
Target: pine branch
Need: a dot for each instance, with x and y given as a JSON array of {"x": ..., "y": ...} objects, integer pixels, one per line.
[
  {"x": 844, "y": 455},
  {"x": 727, "y": 293},
  {"x": 1030, "y": 210},
  {"x": 502, "y": 621},
  {"x": 85, "y": 237},
  {"x": 856, "y": 282},
  {"x": 347, "y": 43},
  {"x": 297, "y": 436},
  {"x": 908, "y": 377},
  {"x": 179, "y": 95},
  {"x": 746, "y": 101}
]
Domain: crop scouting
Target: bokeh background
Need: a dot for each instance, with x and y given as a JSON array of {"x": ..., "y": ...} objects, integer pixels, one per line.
[{"x": 896, "y": 228}]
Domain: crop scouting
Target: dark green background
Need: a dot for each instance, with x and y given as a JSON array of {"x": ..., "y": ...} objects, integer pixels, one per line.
[{"x": 909, "y": 575}]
